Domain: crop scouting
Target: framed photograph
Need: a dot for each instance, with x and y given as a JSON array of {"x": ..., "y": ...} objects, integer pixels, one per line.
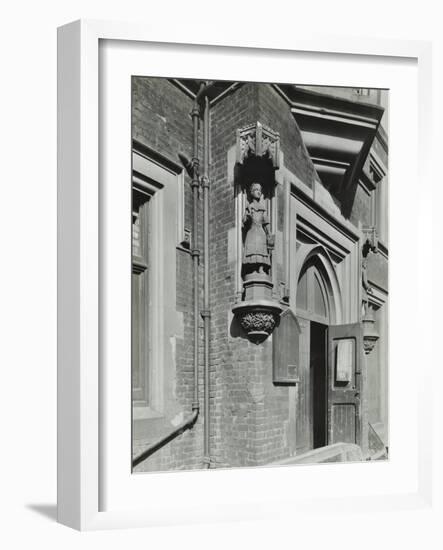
[{"x": 234, "y": 309}]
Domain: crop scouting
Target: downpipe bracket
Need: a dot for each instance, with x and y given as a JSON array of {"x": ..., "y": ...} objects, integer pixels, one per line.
[{"x": 204, "y": 182}]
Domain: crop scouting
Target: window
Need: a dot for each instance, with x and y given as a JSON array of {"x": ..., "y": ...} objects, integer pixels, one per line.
[
  {"x": 140, "y": 294},
  {"x": 157, "y": 224}
]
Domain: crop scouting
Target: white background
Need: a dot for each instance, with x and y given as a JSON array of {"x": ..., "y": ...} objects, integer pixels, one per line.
[{"x": 28, "y": 272}]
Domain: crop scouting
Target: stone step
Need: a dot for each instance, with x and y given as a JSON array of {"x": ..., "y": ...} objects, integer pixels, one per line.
[{"x": 338, "y": 452}]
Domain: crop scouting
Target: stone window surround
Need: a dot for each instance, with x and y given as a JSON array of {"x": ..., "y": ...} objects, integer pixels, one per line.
[{"x": 164, "y": 183}]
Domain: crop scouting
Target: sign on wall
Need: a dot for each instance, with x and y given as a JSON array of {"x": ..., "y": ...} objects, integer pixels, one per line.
[
  {"x": 344, "y": 360},
  {"x": 285, "y": 350}
]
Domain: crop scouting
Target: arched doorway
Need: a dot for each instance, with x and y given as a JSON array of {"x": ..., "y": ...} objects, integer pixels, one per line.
[
  {"x": 328, "y": 392},
  {"x": 315, "y": 311}
]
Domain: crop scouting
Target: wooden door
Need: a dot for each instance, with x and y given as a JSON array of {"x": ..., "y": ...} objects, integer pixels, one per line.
[
  {"x": 313, "y": 314},
  {"x": 345, "y": 361},
  {"x": 304, "y": 397}
]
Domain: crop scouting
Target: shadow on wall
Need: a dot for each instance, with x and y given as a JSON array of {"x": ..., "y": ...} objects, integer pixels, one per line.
[{"x": 236, "y": 330}]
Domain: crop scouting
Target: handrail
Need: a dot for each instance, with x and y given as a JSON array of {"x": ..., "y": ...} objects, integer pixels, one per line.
[{"x": 185, "y": 425}]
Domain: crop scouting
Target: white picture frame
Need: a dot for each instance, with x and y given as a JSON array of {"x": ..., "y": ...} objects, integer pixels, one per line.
[{"x": 80, "y": 361}]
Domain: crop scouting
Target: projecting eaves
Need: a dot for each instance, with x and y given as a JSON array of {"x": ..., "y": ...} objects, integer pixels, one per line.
[{"x": 337, "y": 133}]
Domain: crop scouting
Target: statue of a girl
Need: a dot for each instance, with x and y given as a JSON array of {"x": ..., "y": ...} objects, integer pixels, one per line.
[{"x": 258, "y": 240}]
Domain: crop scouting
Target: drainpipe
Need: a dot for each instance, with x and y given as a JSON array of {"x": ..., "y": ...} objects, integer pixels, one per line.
[
  {"x": 202, "y": 97},
  {"x": 192, "y": 168},
  {"x": 195, "y": 252},
  {"x": 206, "y": 313}
]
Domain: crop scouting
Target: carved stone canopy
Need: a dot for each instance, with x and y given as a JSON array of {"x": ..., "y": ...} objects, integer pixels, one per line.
[{"x": 256, "y": 140}]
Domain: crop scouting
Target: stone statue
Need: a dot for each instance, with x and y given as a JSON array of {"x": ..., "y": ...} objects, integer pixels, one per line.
[{"x": 258, "y": 240}]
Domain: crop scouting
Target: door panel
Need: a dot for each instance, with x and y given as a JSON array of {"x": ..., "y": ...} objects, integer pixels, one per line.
[
  {"x": 304, "y": 401},
  {"x": 312, "y": 387},
  {"x": 345, "y": 360},
  {"x": 344, "y": 422}
]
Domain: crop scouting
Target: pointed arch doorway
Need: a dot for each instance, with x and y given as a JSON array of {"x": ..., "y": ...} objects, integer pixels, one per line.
[{"x": 328, "y": 391}]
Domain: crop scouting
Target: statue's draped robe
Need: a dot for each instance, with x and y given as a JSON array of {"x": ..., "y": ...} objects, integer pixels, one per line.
[{"x": 256, "y": 249}]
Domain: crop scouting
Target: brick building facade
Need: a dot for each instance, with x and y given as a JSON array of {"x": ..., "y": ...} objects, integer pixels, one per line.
[{"x": 316, "y": 386}]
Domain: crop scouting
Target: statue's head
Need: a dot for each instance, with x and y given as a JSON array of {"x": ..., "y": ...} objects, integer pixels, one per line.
[{"x": 255, "y": 190}]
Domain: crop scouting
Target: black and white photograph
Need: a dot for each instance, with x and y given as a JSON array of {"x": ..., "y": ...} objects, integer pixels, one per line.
[
  {"x": 221, "y": 275},
  {"x": 260, "y": 252}
]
